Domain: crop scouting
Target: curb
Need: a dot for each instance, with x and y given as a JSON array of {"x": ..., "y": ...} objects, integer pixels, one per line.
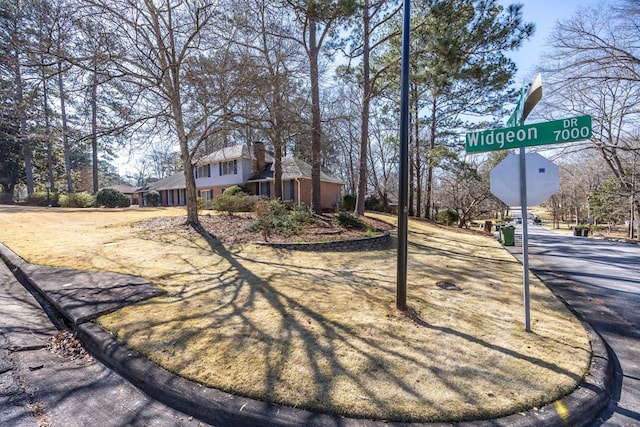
[{"x": 224, "y": 409}]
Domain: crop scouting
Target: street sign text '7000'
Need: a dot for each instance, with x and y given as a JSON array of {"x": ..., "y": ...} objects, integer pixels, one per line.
[{"x": 554, "y": 132}]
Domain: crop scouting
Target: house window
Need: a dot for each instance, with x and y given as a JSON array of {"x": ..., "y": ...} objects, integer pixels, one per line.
[
  {"x": 203, "y": 171},
  {"x": 206, "y": 194},
  {"x": 228, "y": 168},
  {"x": 289, "y": 191},
  {"x": 263, "y": 189}
]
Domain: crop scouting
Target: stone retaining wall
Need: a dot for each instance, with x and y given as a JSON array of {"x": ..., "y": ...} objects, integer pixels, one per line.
[{"x": 363, "y": 244}]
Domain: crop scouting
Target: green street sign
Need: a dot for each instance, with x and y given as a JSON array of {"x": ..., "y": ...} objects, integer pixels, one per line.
[
  {"x": 554, "y": 132},
  {"x": 516, "y": 116}
]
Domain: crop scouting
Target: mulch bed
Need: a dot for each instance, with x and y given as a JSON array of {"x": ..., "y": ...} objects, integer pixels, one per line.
[{"x": 234, "y": 228}]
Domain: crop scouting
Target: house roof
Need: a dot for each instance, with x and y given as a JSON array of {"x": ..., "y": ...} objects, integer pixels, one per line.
[
  {"x": 123, "y": 188},
  {"x": 241, "y": 151},
  {"x": 173, "y": 182},
  {"x": 227, "y": 153},
  {"x": 292, "y": 168}
]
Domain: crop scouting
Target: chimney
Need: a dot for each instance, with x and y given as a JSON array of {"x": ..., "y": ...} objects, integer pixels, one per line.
[{"x": 258, "y": 151}]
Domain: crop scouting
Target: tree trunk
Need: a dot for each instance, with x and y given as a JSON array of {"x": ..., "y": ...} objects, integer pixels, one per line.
[
  {"x": 316, "y": 131},
  {"x": 47, "y": 127},
  {"x": 22, "y": 116},
  {"x": 278, "y": 142},
  {"x": 190, "y": 184},
  {"x": 417, "y": 160},
  {"x": 411, "y": 210},
  {"x": 364, "y": 125},
  {"x": 189, "y": 177},
  {"x": 65, "y": 130},
  {"x": 172, "y": 83},
  {"x": 94, "y": 130},
  {"x": 277, "y": 167},
  {"x": 430, "y": 163}
]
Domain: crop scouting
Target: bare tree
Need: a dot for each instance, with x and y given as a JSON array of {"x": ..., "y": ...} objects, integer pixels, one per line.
[
  {"x": 383, "y": 158},
  {"x": 594, "y": 68},
  {"x": 274, "y": 66},
  {"x": 317, "y": 18},
  {"x": 156, "y": 42},
  {"x": 14, "y": 20},
  {"x": 375, "y": 17}
]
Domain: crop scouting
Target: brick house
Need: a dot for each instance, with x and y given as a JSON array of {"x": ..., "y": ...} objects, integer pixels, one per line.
[{"x": 240, "y": 165}]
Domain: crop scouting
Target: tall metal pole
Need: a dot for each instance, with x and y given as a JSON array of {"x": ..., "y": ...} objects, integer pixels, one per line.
[
  {"x": 525, "y": 239},
  {"x": 530, "y": 100},
  {"x": 401, "y": 292}
]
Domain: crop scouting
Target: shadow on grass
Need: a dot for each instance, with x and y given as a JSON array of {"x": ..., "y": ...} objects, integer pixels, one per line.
[
  {"x": 305, "y": 326},
  {"x": 318, "y": 352}
]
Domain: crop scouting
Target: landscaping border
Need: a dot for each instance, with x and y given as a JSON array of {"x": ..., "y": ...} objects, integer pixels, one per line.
[{"x": 361, "y": 244}]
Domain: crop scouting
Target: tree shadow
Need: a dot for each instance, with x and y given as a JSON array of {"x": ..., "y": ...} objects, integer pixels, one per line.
[{"x": 303, "y": 333}]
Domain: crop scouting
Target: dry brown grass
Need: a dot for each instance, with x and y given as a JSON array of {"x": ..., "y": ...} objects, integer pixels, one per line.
[{"x": 320, "y": 330}]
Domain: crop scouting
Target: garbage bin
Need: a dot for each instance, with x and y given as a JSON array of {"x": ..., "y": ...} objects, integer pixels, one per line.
[
  {"x": 508, "y": 235},
  {"x": 577, "y": 231},
  {"x": 585, "y": 232}
]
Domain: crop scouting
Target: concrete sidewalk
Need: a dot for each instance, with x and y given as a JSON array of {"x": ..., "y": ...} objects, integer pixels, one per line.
[
  {"x": 41, "y": 388},
  {"x": 86, "y": 392}
]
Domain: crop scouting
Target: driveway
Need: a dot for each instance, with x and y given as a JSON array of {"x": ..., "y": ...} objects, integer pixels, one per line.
[{"x": 601, "y": 281}]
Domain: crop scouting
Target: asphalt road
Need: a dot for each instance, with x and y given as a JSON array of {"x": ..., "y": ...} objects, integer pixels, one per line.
[{"x": 600, "y": 280}]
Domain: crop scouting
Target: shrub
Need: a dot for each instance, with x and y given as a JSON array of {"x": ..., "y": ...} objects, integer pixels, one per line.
[
  {"x": 201, "y": 203},
  {"x": 236, "y": 190},
  {"x": 346, "y": 220},
  {"x": 273, "y": 217},
  {"x": 448, "y": 217},
  {"x": 110, "y": 198},
  {"x": 374, "y": 203},
  {"x": 40, "y": 198},
  {"x": 77, "y": 200},
  {"x": 348, "y": 202},
  {"x": 6, "y": 199},
  {"x": 152, "y": 198},
  {"x": 302, "y": 214},
  {"x": 265, "y": 218},
  {"x": 234, "y": 203}
]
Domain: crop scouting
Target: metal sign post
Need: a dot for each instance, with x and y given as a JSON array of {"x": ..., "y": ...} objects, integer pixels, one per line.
[
  {"x": 401, "y": 285},
  {"x": 525, "y": 239},
  {"x": 515, "y": 135},
  {"x": 530, "y": 100}
]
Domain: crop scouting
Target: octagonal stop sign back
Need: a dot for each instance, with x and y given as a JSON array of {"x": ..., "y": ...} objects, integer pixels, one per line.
[{"x": 543, "y": 179}]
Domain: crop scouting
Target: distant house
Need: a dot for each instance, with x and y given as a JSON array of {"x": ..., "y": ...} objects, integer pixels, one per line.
[
  {"x": 239, "y": 165},
  {"x": 172, "y": 191},
  {"x": 127, "y": 190}
]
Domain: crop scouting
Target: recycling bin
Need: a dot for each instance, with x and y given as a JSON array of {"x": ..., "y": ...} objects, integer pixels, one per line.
[{"x": 508, "y": 235}]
